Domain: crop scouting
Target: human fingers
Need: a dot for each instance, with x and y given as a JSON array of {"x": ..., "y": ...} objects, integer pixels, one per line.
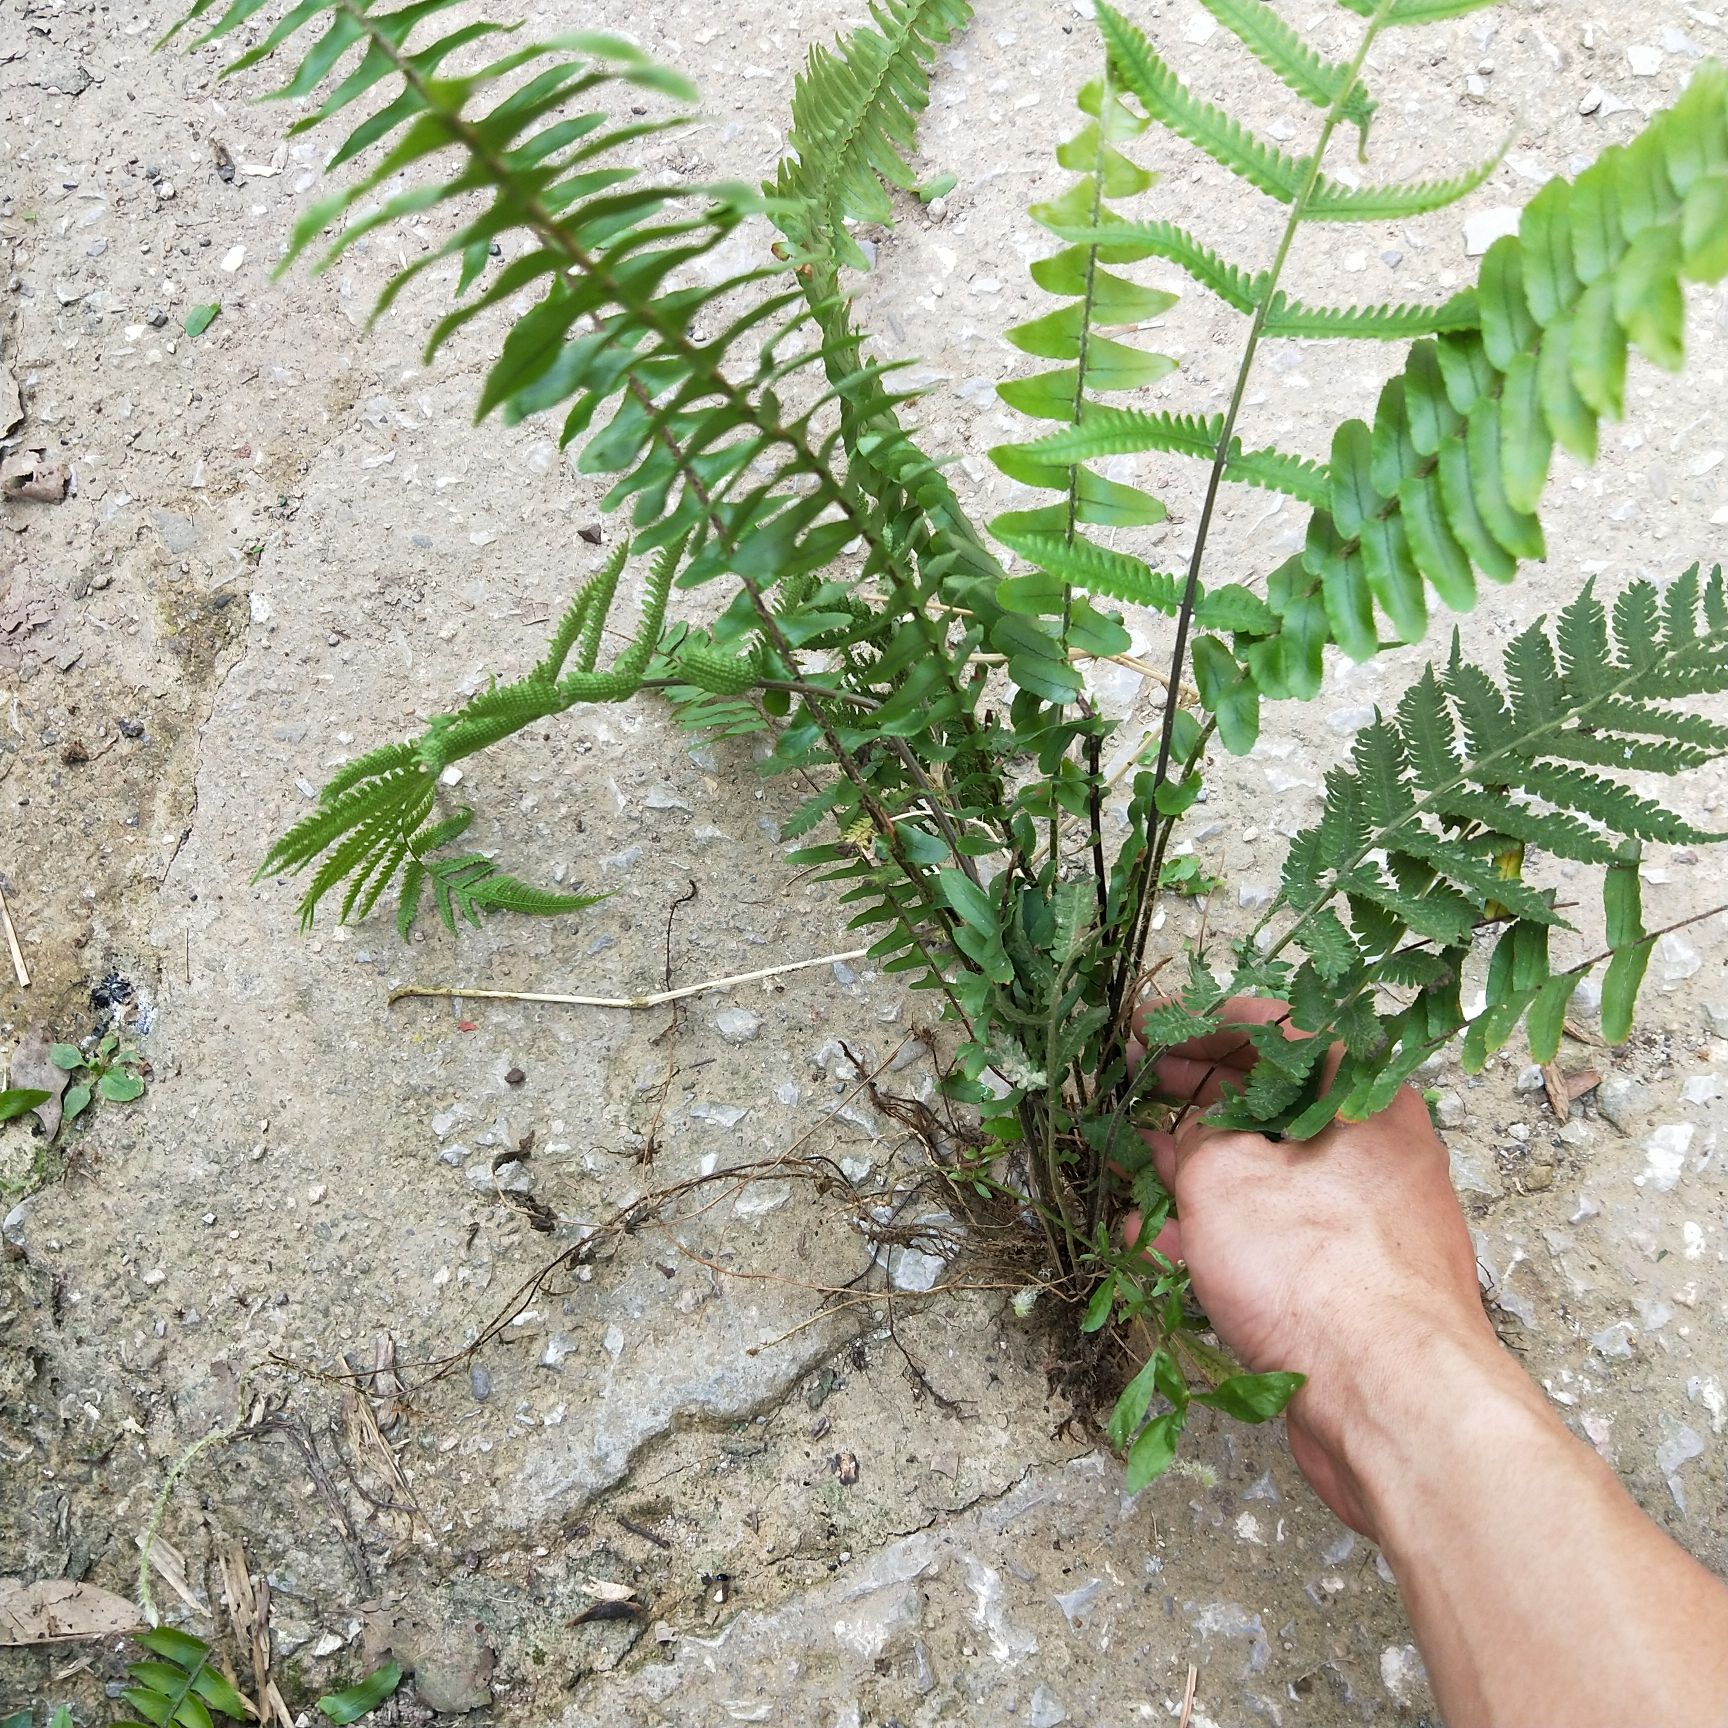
[
  {"x": 1200, "y": 1082},
  {"x": 1226, "y": 1042},
  {"x": 1163, "y": 1149},
  {"x": 1168, "y": 1241}
]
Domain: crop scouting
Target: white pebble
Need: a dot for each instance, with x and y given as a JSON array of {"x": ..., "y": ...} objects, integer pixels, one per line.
[
  {"x": 1667, "y": 1149},
  {"x": 1680, "y": 960},
  {"x": 719, "y": 1115},
  {"x": 1484, "y": 227}
]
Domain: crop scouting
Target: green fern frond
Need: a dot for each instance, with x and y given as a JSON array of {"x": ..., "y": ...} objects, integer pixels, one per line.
[
  {"x": 1470, "y": 780},
  {"x": 473, "y": 884},
  {"x": 1066, "y": 561},
  {"x": 1417, "y": 11},
  {"x": 1271, "y": 41},
  {"x": 1163, "y": 95},
  {"x": 179, "y": 1682},
  {"x": 1125, "y": 241},
  {"x": 1296, "y": 476},
  {"x": 1332, "y": 201},
  {"x": 1444, "y": 488},
  {"x": 1128, "y": 432},
  {"x": 1079, "y": 563},
  {"x": 1377, "y": 323},
  {"x": 371, "y": 829},
  {"x": 855, "y": 111}
]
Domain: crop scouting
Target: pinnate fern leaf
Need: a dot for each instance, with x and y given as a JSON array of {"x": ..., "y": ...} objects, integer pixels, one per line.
[
  {"x": 1444, "y": 487},
  {"x": 1272, "y": 42},
  {"x": 1427, "y": 835},
  {"x": 1163, "y": 95}
]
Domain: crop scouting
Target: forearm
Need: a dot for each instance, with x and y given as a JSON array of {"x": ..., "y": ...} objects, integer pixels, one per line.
[{"x": 1539, "y": 1592}]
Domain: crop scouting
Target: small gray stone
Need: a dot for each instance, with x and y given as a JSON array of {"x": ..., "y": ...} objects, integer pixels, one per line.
[
  {"x": 510, "y": 1177},
  {"x": 1469, "y": 1176},
  {"x": 1679, "y": 959},
  {"x": 719, "y": 1115},
  {"x": 1623, "y": 1101},
  {"x": 12, "y": 1226},
  {"x": 452, "y": 1665},
  {"x": 1483, "y": 227},
  {"x": 913, "y": 1269},
  {"x": 1716, "y": 1018},
  {"x": 737, "y": 1025},
  {"x": 179, "y": 533},
  {"x": 1681, "y": 1446},
  {"x": 1449, "y": 1109},
  {"x": 1613, "y": 1340},
  {"x": 1530, "y": 1078},
  {"x": 1047, "y": 1710},
  {"x": 758, "y": 1199},
  {"x": 479, "y": 1382},
  {"x": 1346, "y": 721}
]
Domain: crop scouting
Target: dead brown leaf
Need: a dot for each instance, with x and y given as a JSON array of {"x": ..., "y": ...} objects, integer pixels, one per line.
[
  {"x": 1566, "y": 1086},
  {"x": 170, "y": 1567},
  {"x": 33, "y": 1070},
  {"x": 248, "y": 1601},
  {"x": 1554, "y": 1084},
  {"x": 56, "y": 1611}
]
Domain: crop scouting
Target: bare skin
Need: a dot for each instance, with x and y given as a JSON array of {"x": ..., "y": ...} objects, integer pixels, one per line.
[{"x": 1539, "y": 1592}]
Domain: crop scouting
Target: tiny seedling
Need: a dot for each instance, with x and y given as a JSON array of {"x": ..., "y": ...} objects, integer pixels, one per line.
[{"x": 106, "y": 1072}]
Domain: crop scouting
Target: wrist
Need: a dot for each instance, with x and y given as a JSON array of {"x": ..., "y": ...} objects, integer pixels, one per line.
[{"x": 1426, "y": 1388}]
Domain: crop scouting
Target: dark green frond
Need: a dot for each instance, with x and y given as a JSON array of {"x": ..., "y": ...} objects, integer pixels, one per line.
[{"x": 1460, "y": 793}]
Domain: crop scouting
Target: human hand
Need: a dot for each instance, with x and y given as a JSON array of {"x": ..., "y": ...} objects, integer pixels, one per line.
[{"x": 1342, "y": 1257}]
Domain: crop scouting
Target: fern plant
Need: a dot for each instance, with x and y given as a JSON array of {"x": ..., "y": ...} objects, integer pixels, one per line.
[
  {"x": 936, "y": 696},
  {"x": 178, "y": 1685}
]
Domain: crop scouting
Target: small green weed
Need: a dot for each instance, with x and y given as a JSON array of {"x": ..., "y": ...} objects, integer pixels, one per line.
[
  {"x": 179, "y": 1686},
  {"x": 106, "y": 1072}
]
